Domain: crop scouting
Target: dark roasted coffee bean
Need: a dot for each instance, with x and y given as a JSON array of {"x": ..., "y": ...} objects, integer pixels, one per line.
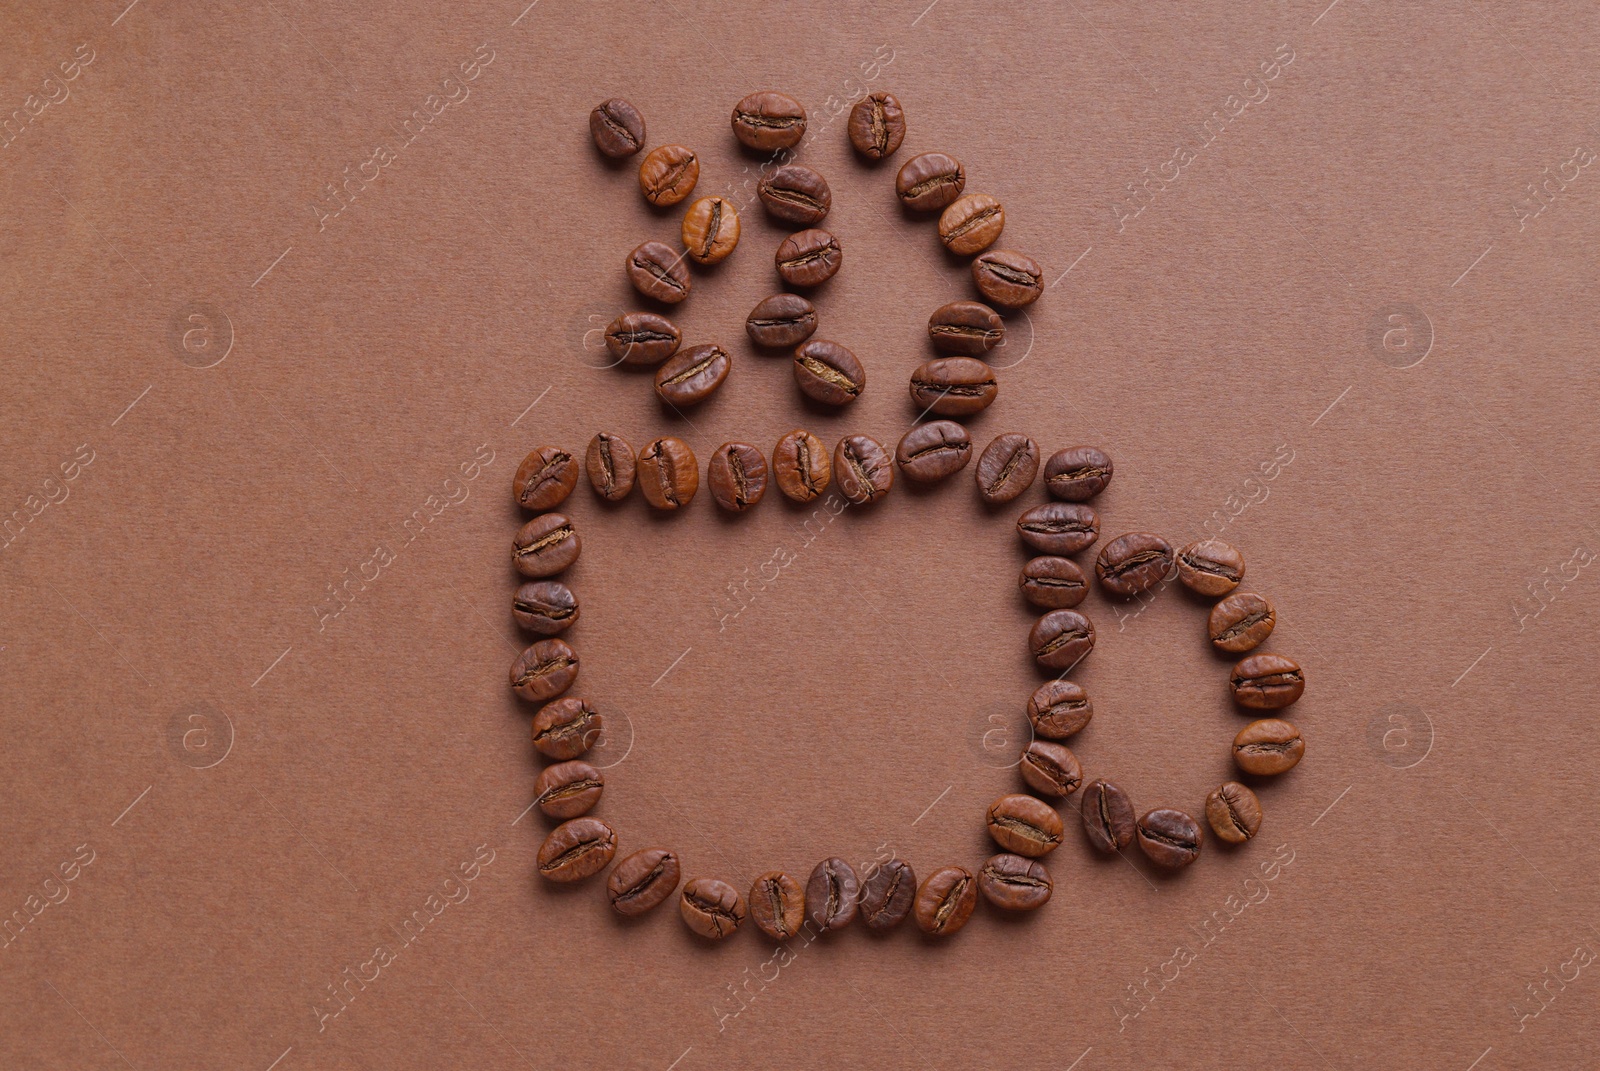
[
  {"x": 971, "y": 224},
  {"x": 953, "y": 386},
  {"x": 1268, "y": 746},
  {"x": 929, "y": 181},
  {"x": 945, "y": 901},
  {"x": 544, "y": 479},
  {"x": 545, "y": 546},
  {"x": 1241, "y": 622},
  {"x": 1058, "y": 709},
  {"x": 781, "y": 320},
  {"x": 887, "y": 894},
  {"x": 738, "y": 476},
  {"x": 669, "y": 473},
  {"x": 832, "y": 895},
  {"x": 545, "y": 607},
  {"x": 691, "y": 376},
  {"x": 544, "y": 670},
  {"x": 768, "y": 120},
  {"x": 642, "y": 881},
  {"x": 864, "y": 469},
  {"x": 877, "y": 125},
  {"x": 657, "y": 271},
  {"x": 617, "y": 127},
  {"x": 667, "y": 175},
  {"x": 568, "y": 789},
  {"x": 778, "y": 905},
  {"x": 1007, "y": 467},
  {"x": 1233, "y": 812},
  {"x": 1007, "y": 278},
  {"x": 710, "y": 230},
  {"x": 930, "y": 452},
  {"x": 1077, "y": 473},
  {"x": 1107, "y": 816},
  {"x": 1059, "y": 527},
  {"x": 566, "y": 728},
  {"x": 642, "y": 338},
  {"x": 800, "y": 466},
  {"x": 828, "y": 373},
  {"x": 1051, "y": 769},
  {"x": 711, "y": 908},
  {"x": 795, "y": 194},
  {"x": 1133, "y": 563},
  {"x": 1170, "y": 838},
  {"x": 1014, "y": 883},
  {"x": 1061, "y": 639},
  {"x": 1210, "y": 567},
  {"x": 1053, "y": 583},
  {"x": 1024, "y": 825},
  {"x": 966, "y": 328},
  {"x": 576, "y": 850},
  {"x": 1266, "y": 682},
  {"x": 611, "y": 466},
  {"x": 808, "y": 258}
]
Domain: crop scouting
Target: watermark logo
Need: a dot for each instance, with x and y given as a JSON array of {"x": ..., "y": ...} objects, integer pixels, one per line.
[
  {"x": 1400, "y": 735},
  {"x": 1400, "y": 335},
  {"x": 200, "y": 334},
  {"x": 200, "y": 735}
]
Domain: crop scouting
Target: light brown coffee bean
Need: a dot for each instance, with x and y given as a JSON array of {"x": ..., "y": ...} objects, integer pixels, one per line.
[
  {"x": 1059, "y": 527},
  {"x": 642, "y": 881},
  {"x": 691, "y": 376},
  {"x": 934, "y": 451},
  {"x": 1013, "y": 883},
  {"x": 1053, "y": 583},
  {"x": 1061, "y": 639},
  {"x": 566, "y": 728},
  {"x": 1051, "y": 769},
  {"x": 1077, "y": 473},
  {"x": 1170, "y": 838},
  {"x": 657, "y": 271},
  {"x": 828, "y": 372},
  {"x": 795, "y": 194},
  {"x": 808, "y": 258},
  {"x": 971, "y": 224},
  {"x": 544, "y": 670},
  {"x": 966, "y": 329},
  {"x": 1134, "y": 563},
  {"x": 1241, "y": 622},
  {"x": 1266, "y": 682},
  {"x": 710, "y": 230},
  {"x": 669, "y": 473},
  {"x": 1268, "y": 747},
  {"x": 953, "y": 386},
  {"x": 1008, "y": 278},
  {"x": 778, "y": 905},
  {"x": 781, "y": 320},
  {"x": 945, "y": 901},
  {"x": 1234, "y": 812},
  {"x": 611, "y": 466},
  {"x": 642, "y": 338},
  {"x": 544, "y": 479},
  {"x": 545, "y": 607},
  {"x": 668, "y": 174},
  {"x": 929, "y": 181},
  {"x": 545, "y": 546},
  {"x": 864, "y": 469},
  {"x": 568, "y": 789},
  {"x": 1007, "y": 467},
  {"x": 738, "y": 476},
  {"x": 1058, "y": 709},
  {"x": 800, "y": 466},
  {"x": 1108, "y": 819},
  {"x": 769, "y": 120},
  {"x": 1024, "y": 825},
  {"x": 576, "y": 850},
  {"x": 877, "y": 125},
  {"x": 1210, "y": 567},
  {"x": 832, "y": 895},
  {"x": 711, "y": 908},
  {"x": 617, "y": 128}
]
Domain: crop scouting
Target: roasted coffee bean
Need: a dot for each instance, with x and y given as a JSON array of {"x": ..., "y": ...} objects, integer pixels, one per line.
[
  {"x": 1053, "y": 583},
  {"x": 568, "y": 789},
  {"x": 832, "y": 895},
  {"x": 738, "y": 476},
  {"x": 1268, "y": 746},
  {"x": 710, "y": 230},
  {"x": 795, "y": 194},
  {"x": 800, "y": 466},
  {"x": 1107, "y": 816},
  {"x": 1007, "y": 278},
  {"x": 642, "y": 338},
  {"x": 808, "y": 258},
  {"x": 877, "y": 125},
  {"x": 929, "y": 181},
  {"x": 1007, "y": 467},
  {"x": 966, "y": 328},
  {"x": 864, "y": 468},
  {"x": 711, "y": 908},
  {"x": 545, "y": 546},
  {"x": 576, "y": 850},
  {"x": 778, "y": 905},
  {"x": 1077, "y": 473},
  {"x": 544, "y": 670},
  {"x": 545, "y": 607},
  {"x": 1170, "y": 838},
  {"x": 768, "y": 120},
  {"x": 1240, "y": 622},
  {"x": 566, "y": 728},
  {"x": 1059, "y": 527},
  {"x": 544, "y": 479},
  {"x": 1133, "y": 563},
  {"x": 667, "y": 175},
  {"x": 669, "y": 473},
  {"x": 1024, "y": 825},
  {"x": 1266, "y": 682},
  {"x": 945, "y": 901},
  {"x": 1234, "y": 812},
  {"x": 971, "y": 224},
  {"x": 1210, "y": 567},
  {"x": 611, "y": 466},
  {"x": 1014, "y": 883},
  {"x": 657, "y": 271},
  {"x": 887, "y": 894},
  {"x": 642, "y": 881},
  {"x": 953, "y": 386},
  {"x": 1051, "y": 769},
  {"x": 1058, "y": 709},
  {"x": 781, "y": 320},
  {"x": 1061, "y": 639},
  {"x": 930, "y": 452},
  {"x": 828, "y": 373},
  {"x": 617, "y": 128},
  {"x": 691, "y": 376}
]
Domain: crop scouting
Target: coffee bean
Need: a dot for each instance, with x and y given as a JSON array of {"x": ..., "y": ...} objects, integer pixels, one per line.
[
  {"x": 1013, "y": 883},
  {"x": 887, "y": 894},
  {"x": 864, "y": 469},
  {"x": 832, "y": 895},
  {"x": 1024, "y": 825},
  {"x": 1234, "y": 812},
  {"x": 1058, "y": 709},
  {"x": 1268, "y": 747},
  {"x": 642, "y": 881},
  {"x": 953, "y": 386},
  {"x": 971, "y": 224},
  {"x": 945, "y": 901},
  {"x": 691, "y": 376},
  {"x": 1077, "y": 473},
  {"x": 545, "y": 546},
  {"x": 1210, "y": 567},
  {"x": 930, "y": 452},
  {"x": 738, "y": 476},
  {"x": 1059, "y": 527},
  {"x": 669, "y": 473},
  {"x": 781, "y": 320},
  {"x": 778, "y": 905},
  {"x": 800, "y": 466},
  {"x": 1170, "y": 838},
  {"x": 568, "y": 789},
  {"x": 1266, "y": 682},
  {"x": 1107, "y": 816},
  {"x": 710, "y": 230},
  {"x": 966, "y": 328},
  {"x": 768, "y": 120},
  {"x": 1007, "y": 278},
  {"x": 711, "y": 908},
  {"x": 545, "y": 607},
  {"x": 642, "y": 338},
  {"x": 657, "y": 271},
  {"x": 544, "y": 670},
  {"x": 929, "y": 181},
  {"x": 1007, "y": 467},
  {"x": 1241, "y": 622},
  {"x": 1051, "y": 769},
  {"x": 576, "y": 850},
  {"x": 1053, "y": 583},
  {"x": 1061, "y": 639},
  {"x": 617, "y": 128},
  {"x": 795, "y": 194},
  {"x": 828, "y": 373},
  {"x": 611, "y": 466},
  {"x": 566, "y": 728},
  {"x": 667, "y": 175},
  {"x": 808, "y": 258},
  {"x": 877, "y": 125},
  {"x": 1133, "y": 563},
  {"x": 544, "y": 479}
]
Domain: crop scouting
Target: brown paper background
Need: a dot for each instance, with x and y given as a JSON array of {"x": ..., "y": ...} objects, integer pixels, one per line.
[{"x": 163, "y": 616}]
